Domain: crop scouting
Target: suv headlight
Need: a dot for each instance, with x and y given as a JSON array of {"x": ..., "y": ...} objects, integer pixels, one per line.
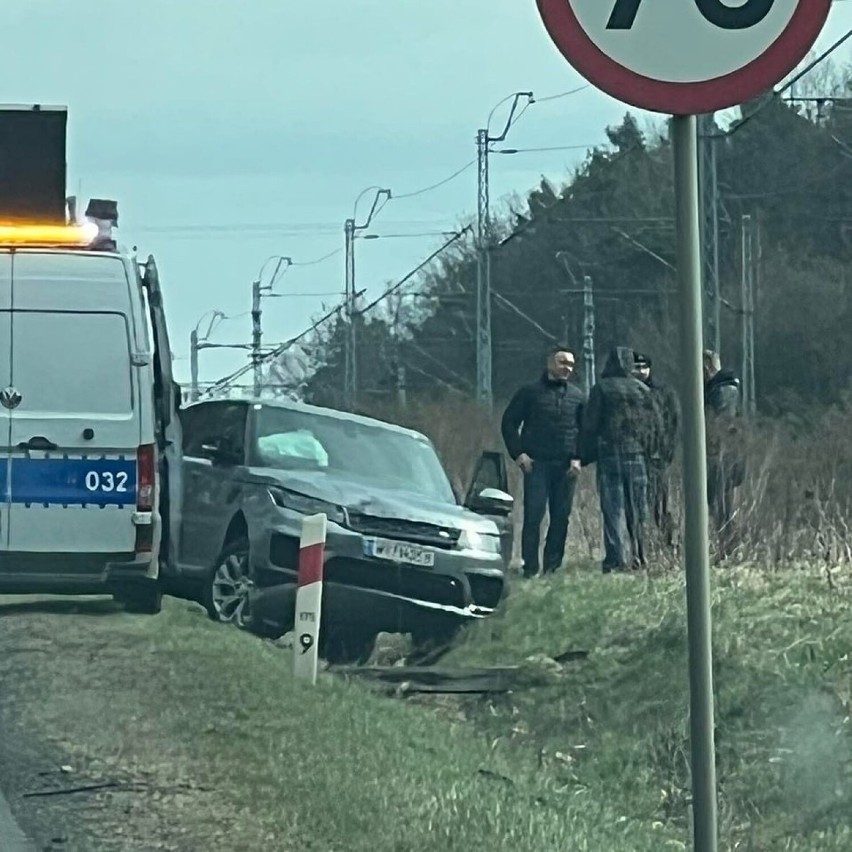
[
  {"x": 305, "y": 505},
  {"x": 483, "y": 542}
]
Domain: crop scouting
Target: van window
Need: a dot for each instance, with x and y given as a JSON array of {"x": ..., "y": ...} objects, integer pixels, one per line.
[{"x": 72, "y": 362}]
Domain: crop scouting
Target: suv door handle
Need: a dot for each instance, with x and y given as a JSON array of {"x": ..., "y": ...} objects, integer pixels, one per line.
[{"x": 38, "y": 443}]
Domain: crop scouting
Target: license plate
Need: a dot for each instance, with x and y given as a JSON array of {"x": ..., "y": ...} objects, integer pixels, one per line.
[{"x": 399, "y": 551}]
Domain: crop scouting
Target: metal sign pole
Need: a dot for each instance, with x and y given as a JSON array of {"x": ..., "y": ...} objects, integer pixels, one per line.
[{"x": 696, "y": 542}]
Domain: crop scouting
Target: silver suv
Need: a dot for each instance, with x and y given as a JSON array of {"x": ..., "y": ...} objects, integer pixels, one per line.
[{"x": 402, "y": 554}]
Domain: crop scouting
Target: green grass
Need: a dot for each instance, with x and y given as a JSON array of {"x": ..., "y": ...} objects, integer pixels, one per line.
[
  {"x": 233, "y": 753},
  {"x": 261, "y": 761},
  {"x": 616, "y": 725}
]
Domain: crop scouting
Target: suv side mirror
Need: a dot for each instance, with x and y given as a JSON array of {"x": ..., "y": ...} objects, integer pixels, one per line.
[{"x": 492, "y": 501}]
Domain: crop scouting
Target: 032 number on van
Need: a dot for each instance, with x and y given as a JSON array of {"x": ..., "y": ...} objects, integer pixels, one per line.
[
  {"x": 74, "y": 481},
  {"x": 106, "y": 481}
]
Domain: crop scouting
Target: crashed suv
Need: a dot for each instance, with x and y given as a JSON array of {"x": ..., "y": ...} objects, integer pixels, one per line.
[{"x": 402, "y": 554}]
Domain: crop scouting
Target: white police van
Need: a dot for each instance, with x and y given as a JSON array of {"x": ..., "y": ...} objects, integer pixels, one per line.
[{"x": 87, "y": 423}]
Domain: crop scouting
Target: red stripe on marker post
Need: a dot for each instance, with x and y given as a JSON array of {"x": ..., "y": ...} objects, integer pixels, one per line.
[
  {"x": 309, "y": 597},
  {"x": 311, "y": 560}
]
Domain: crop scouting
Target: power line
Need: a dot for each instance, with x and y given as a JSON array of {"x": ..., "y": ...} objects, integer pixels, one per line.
[
  {"x": 416, "y": 269},
  {"x": 228, "y": 380},
  {"x": 562, "y": 94},
  {"x": 296, "y": 295},
  {"x": 295, "y": 227},
  {"x": 541, "y": 150},
  {"x": 319, "y": 260},
  {"x": 533, "y": 100},
  {"x": 776, "y": 93},
  {"x": 408, "y": 236},
  {"x": 441, "y": 183}
]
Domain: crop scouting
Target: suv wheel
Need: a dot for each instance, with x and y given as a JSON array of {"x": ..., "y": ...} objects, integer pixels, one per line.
[{"x": 227, "y": 588}]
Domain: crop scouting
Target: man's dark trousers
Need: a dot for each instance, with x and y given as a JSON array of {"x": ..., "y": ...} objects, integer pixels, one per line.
[
  {"x": 549, "y": 484},
  {"x": 623, "y": 488},
  {"x": 658, "y": 500}
]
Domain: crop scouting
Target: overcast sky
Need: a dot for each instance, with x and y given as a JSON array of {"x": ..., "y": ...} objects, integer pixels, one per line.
[{"x": 231, "y": 131}]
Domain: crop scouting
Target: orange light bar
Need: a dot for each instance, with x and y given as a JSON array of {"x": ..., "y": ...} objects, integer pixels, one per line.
[{"x": 48, "y": 235}]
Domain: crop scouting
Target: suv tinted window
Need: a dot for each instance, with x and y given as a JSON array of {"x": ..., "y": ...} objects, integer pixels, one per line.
[{"x": 222, "y": 422}]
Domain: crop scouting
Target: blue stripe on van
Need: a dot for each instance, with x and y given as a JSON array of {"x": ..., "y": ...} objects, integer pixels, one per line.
[{"x": 74, "y": 482}]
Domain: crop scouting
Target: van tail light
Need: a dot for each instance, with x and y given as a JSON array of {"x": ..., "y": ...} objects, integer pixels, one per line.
[
  {"x": 146, "y": 467},
  {"x": 145, "y": 473}
]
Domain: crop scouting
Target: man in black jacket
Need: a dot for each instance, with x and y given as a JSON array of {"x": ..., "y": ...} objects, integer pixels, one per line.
[
  {"x": 621, "y": 425},
  {"x": 662, "y": 454},
  {"x": 725, "y": 456},
  {"x": 540, "y": 429}
]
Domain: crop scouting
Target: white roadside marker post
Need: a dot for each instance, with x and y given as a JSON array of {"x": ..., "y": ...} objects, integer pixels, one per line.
[
  {"x": 688, "y": 58},
  {"x": 309, "y": 597}
]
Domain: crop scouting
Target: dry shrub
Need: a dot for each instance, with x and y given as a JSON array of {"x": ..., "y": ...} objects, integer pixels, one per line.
[{"x": 793, "y": 508}]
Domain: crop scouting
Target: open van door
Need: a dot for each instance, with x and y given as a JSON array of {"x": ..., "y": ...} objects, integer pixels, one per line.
[
  {"x": 488, "y": 495},
  {"x": 7, "y": 393},
  {"x": 167, "y": 403}
]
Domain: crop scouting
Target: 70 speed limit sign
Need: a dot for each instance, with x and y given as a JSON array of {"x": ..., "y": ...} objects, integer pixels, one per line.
[
  {"x": 684, "y": 56},
  {"x": 688, "y": 57}
]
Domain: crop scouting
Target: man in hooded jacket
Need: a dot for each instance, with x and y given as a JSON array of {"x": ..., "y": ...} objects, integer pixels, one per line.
[{"x": 621, "y": 424}]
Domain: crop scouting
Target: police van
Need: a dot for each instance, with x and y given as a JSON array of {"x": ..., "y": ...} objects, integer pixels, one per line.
[{"x": 87, "y": 415}]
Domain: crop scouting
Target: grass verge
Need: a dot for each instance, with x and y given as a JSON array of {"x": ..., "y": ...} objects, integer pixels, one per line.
[
  {"x": 615, "y": 727},
  {"x": 215, "y": 746}
]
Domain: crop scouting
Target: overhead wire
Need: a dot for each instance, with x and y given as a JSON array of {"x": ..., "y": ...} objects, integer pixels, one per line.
[
  {"x": 438, "y": 185},
  {"x": 403, "y": 281},
  {"x": 563, "y": 94},
  {"x": 319, "y": 260},
  {"x": 227, "y": 381},
  {"x": 409, "y": 236},
  {"x": 776, "y": 93},
  {"x": 540, "y": 150}
]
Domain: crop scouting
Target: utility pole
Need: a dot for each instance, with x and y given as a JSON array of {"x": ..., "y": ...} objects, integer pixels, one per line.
[
  {"x": 483, "y": 276},
  {"x": 401, "y": 390},
  {"x": 709, "y": 192},
  {"x": 588, "y": 333},
  {"x": 193, "y": 365},
  {"x": 747, "y": 314},
  {"x": 588, "y": 294},
  {"x": 350, "y": 355},
  {"x": 256, "y": 336},
  {"x": 484, "y": 343},
  {"x": 257, "y": 292},
  {"x": 757, "y": 254},
  {"x": 196, "y": 342},
  {"x": 350, "y": 379}
]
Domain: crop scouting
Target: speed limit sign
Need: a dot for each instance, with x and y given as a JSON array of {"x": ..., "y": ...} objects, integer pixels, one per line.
[
  {"x": 688, "y": 57},
  {"x": 684, "y": 56}
]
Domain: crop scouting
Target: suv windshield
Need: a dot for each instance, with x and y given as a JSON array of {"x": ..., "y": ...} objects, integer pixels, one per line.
[{"x": 298, "y": 440}]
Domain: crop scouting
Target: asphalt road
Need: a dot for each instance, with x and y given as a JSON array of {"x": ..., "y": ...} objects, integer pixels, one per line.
[{"x": 12, "y": 838}]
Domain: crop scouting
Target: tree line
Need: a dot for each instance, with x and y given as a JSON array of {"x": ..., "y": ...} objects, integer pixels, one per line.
[{"x": 786, "y": 163}]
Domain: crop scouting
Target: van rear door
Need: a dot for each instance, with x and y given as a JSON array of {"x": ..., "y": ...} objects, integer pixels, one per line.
[
  {"x": 6, "y": 391},
  {"x": 74, "y": 436}
]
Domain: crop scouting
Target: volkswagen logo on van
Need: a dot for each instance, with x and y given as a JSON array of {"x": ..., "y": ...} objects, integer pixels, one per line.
[{"x": 10, "y": 398}]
